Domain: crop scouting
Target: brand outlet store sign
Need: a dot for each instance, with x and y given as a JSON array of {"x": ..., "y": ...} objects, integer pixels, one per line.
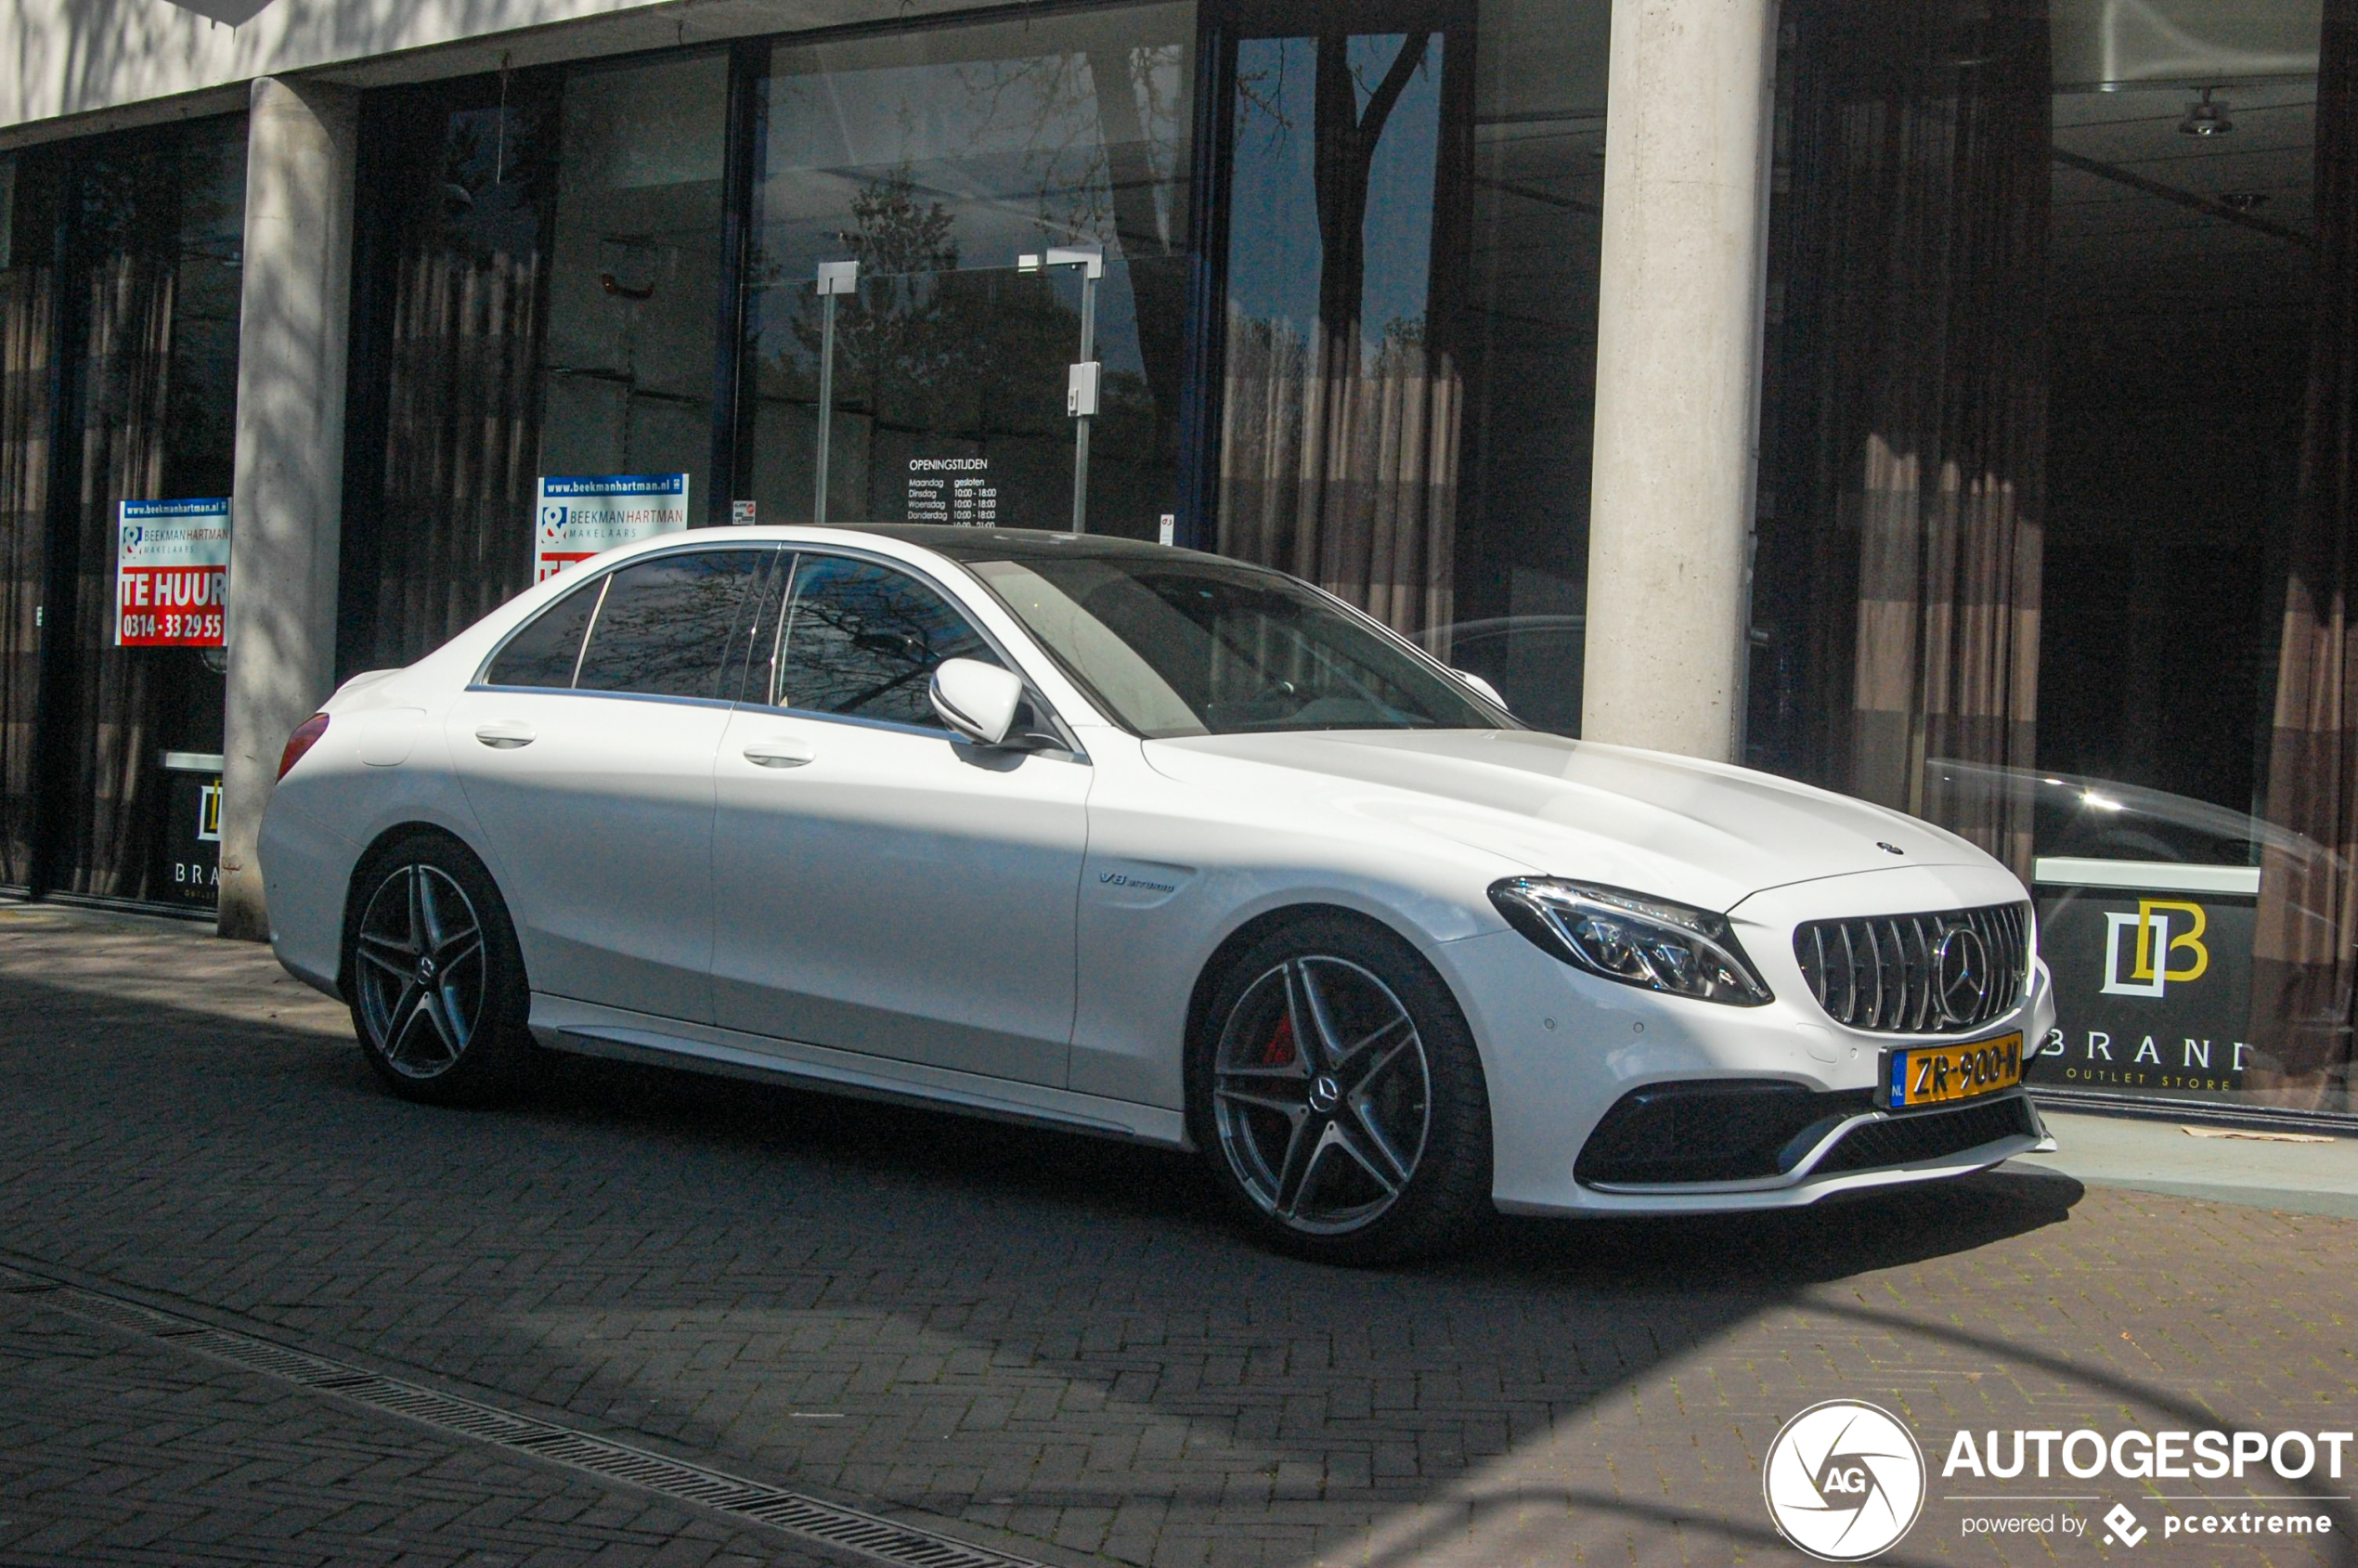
[{"x": 2153, "y": 991}]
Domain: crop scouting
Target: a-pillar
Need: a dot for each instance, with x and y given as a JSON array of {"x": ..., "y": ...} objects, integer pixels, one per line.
[
  {"x": 287, "y": 508},
  {"x": 1686, "y": 148}
]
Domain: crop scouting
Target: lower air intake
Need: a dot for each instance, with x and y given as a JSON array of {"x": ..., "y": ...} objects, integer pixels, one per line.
[{"x": 1931, "y": 1134}]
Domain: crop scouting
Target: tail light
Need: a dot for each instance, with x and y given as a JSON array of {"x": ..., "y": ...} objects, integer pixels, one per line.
[{"x": 307, "y": 735}]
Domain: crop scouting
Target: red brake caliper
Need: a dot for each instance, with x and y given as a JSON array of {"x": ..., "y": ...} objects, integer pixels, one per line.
[{"x": 1280, "y": 1051}]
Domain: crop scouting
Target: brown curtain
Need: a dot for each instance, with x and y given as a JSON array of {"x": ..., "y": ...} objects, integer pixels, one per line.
[
  {"x": 27, "y": 374},
  {"x": 1342, "y": 466},
  {"x": 1339, "y": 455},
  {"x": 2304, "y": 962},
  {"x": 1925, "y": 139},
  {"x": 126, "y": 366},
  {"x": 451, "y": 302},
  {"x": 463, "y": 437}
]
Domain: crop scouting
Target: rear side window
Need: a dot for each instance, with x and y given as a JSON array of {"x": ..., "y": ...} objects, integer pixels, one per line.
[
  {"x": 862, "y": 641},
  {"x": 544, "y": 653},
  {"x": 665, "y": 627}
]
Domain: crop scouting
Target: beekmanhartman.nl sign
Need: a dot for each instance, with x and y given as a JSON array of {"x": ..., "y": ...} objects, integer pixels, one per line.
[
  {"x": 171, "y": 573},
  {"x": 581, "y": 515}
]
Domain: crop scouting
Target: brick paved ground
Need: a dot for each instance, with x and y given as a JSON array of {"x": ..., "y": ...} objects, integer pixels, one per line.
[{"x": 1047, "y": 1342}]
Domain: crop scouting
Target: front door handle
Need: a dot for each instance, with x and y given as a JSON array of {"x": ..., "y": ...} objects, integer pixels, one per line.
[
  {"x": 779, "y": 753},
  {"x": 505, "y": 735}
]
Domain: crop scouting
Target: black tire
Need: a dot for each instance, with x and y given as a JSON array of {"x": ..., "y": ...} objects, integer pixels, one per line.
[
  {"x": 434, "y": 975},
  {"x": 1382, "y": 1154}
]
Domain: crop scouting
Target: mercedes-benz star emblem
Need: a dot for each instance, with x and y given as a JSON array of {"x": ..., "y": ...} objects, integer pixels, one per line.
[
  {"x": 1961, "y": 973},
  {"x": 1325, "y": 1095}
]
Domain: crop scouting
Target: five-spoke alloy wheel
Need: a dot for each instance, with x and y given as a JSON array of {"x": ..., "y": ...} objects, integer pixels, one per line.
[
  {"x": 1339, "y": 1094},
  {"x": 436, "y": 983}
]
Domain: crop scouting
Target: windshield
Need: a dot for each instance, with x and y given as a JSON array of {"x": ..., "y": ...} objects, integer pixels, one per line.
[{"x": 1175, "y": 644}]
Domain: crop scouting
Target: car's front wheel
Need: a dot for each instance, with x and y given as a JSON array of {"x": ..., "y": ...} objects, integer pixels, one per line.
[
  {"x": 1338, "y": 1097},
  {"x": 436, "y": 981}
]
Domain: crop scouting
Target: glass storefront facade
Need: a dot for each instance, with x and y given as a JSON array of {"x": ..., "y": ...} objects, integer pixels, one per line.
[
  {"x": 1338, "y": 264},
  {"x": 119, "y": 302},
  {"x": 2055, "y": 516},
  {"x": 2052, "y": 505},
  {"x": 936, "y": 162}
]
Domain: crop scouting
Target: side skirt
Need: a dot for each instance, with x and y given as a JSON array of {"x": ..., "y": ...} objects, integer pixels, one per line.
[{"x": 589, "y": 1030}]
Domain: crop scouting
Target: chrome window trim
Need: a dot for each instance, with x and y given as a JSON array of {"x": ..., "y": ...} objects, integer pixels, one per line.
[
  {"x": 614, "y": 696},
  {"x": 919, "y": 731}
]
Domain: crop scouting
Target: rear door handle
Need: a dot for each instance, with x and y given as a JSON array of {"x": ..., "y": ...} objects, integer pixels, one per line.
[
  {"x": 779, "y": 753},
  {"x": 505, "y": 735}
]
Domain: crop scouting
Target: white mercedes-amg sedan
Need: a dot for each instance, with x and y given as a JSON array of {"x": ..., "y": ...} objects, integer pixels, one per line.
[{"x": 1145, "y": 843}]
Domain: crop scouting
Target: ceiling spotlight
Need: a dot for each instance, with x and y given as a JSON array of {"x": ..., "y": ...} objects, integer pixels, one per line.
[{"x": 2205, "y": 118}]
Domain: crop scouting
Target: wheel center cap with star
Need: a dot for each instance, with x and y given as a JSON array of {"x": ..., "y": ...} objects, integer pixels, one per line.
[
  {"x": 1325, "y": 1094},
  {"x": 426, "y": 968}
]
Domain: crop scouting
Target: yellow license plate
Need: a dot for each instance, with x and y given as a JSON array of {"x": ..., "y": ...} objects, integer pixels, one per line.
[{"x": 1928, "y": 1075}]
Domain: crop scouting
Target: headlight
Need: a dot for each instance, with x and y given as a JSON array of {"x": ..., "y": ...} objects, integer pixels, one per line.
[{"x": 1627, "y": 937}]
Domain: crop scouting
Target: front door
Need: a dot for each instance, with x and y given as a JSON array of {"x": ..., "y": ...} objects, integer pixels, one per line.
[
  {"x": 889, "y": 889},
  {"x": 586, "y": 755}
]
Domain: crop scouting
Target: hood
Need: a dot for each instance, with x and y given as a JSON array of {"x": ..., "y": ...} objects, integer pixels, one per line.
[{"x": 1702, "y": 833}]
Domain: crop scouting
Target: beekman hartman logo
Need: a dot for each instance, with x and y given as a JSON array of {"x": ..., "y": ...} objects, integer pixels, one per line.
[{"x": 1844, "y": 1480}]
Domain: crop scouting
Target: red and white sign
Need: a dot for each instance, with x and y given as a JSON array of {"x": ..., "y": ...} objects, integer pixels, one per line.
[
  {"x": 172, "y": 573},
  {"x": 585, "y": 514}
]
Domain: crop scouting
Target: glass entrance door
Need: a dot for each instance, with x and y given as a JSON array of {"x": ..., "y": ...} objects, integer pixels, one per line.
[
  {"x": 119, "y": 295},
  {"x": 936, "y": 162},
  {"x": 949, "y": 399}
]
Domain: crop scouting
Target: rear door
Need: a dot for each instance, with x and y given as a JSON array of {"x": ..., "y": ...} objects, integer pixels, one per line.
[{"x": 586, "y": 752}]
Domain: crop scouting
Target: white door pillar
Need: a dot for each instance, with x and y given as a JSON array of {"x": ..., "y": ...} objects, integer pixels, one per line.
[
  {"x": 287, "y": 508},
  {"x": 1687, "y": 149}
]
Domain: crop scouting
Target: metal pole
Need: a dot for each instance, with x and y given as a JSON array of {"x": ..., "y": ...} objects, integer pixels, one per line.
[
  {"x": 826, "y": 404},
  {"x": 1080, "y": 434},
  {"x": 834, "y": 277}
]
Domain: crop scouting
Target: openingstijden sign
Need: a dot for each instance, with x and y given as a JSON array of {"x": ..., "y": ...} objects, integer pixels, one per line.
[{"x": 172, "y": 573}]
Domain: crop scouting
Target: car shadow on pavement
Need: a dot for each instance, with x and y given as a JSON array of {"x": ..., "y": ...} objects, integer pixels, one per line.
[
  {"x": 1771, "y": 1250},
  {"x": 1021, "y": 1329}
]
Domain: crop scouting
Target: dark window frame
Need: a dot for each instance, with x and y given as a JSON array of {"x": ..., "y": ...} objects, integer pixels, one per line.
[{"x": 744, "y": 632}]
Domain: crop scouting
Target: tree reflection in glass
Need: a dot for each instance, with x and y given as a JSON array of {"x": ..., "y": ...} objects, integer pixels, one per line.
[{"x": 935, "y": 160}]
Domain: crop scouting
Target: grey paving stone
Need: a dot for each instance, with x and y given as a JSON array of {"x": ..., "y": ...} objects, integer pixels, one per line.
[{"x": 1019, "y": 1332}]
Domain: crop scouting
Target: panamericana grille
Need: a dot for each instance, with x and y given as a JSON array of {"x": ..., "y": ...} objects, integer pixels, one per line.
[{"x": 1918, "y": 974}]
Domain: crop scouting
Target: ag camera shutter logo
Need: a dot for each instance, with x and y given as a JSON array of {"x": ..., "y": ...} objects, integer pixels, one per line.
[{"x": 1844, "y": 1480}]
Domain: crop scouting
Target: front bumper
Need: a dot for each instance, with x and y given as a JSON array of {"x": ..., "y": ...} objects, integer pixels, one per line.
[
  {"x": 1563, "y": 1048},
  {"x": 1737, "y": 1135}
]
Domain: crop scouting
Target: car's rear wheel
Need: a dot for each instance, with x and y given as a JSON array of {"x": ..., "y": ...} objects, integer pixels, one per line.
[
  {"x": 438, "y": 988},
  {"x": 1338, "y": 1097}
]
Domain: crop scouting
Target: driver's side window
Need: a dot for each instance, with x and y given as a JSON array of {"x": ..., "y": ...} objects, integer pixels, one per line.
[{"x": 862, "y": 639}]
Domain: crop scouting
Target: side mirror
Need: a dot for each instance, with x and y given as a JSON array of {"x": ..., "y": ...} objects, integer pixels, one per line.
[
  {"x": 978, "y": 699},
  {"x": 1479, "y": 684}
]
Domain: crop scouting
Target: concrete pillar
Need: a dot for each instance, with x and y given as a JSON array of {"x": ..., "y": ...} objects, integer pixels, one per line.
[
  {"x": 1687, "y": 149},
  {"x": 287, "y": 509}
]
